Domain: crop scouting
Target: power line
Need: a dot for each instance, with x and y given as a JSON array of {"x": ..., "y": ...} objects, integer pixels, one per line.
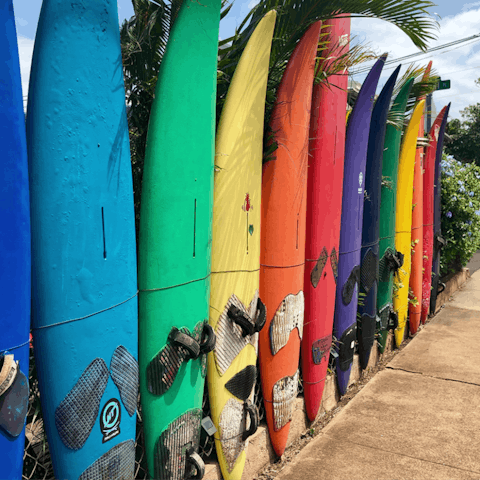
[{"x": 472, "y": 39}]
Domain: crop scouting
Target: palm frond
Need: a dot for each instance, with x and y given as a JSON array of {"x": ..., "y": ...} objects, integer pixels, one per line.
[
  {"x": 336, "y": 58},
  {"x": 294, "y": 17}
]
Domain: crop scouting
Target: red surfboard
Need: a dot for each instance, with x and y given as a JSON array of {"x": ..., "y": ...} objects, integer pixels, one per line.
[
  {"x": 428, "y": 187},
  {"x": 282, "y": 244},
  {"x": 324, "y": 210},
  {"x": 416, "y": 276}
]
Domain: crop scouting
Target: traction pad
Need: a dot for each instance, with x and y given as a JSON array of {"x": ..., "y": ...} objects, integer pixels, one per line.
[
  {"x": 318, "y": 269},
  {"x": 366, "y": 336},
  {"x": 118, "y": 463},
  {"x": 175, "y": 445},
  {"x": 233, "y": 423},
  {"x": 284, "y": 395},
  {"x": 320, "y": 349},
  {"x": 241, "y": 384},
  {"x": 349, "y": 286},
  {"x": 76, "y": 414},
  {"x": 14, "y": 397},
  {"x": 347, "y": 347},
  {"x": 288, "y": 316},
  {"x": 369, "y": 271},
  {"x": 230, "y": 339},
  {"x": 334, "y": 262},
  {"x": 124, "y": 372},
  {"x": 164, "y": 367},
  {"x": 390, "y": 262}
]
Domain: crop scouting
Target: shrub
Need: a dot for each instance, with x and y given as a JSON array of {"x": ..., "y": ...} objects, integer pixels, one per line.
[{"x": 460, "y": 213}]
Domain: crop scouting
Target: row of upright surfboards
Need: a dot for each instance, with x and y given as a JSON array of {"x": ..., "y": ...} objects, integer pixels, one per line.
[{"x": 250, "y": 257}]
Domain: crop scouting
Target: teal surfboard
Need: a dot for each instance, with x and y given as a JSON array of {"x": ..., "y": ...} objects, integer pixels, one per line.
[
  {"x": 175, "y": 244},
  {"x": 84, "y": 295}
]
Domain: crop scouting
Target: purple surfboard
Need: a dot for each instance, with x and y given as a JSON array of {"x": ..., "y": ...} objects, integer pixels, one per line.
[
  {"x": 356, "y": 142},
  {"x": 438, "y": 241}
]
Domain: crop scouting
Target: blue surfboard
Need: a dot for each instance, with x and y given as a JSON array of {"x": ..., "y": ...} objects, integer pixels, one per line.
[
  {"x": 14, "y": 254},
  {"x": 367, "y": 308},
  {"x": 84, "y": 279}
]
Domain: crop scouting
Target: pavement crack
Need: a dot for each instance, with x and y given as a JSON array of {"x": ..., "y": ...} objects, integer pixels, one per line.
[
  {"x": 409, "y": 456},
  {"x": 433, "y": 376}
]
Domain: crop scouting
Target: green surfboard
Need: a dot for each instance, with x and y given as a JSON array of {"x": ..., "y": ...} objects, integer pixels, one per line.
[
  {"x": 175, "y": 244},
  {"x": 389, "y": 260}
]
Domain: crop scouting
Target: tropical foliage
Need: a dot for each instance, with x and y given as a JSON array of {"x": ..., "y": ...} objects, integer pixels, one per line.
[
  {"x": 460, "y": 213},
  {"x": 144, "y": 38},
  {"x": 465, "y": 135}
]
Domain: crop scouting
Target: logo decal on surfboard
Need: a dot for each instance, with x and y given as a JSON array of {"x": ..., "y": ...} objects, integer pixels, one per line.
[
  {"x": 246, "y": 207},
  {"x": 360, "y": 182},
  {"x": 110, "y": 420}
]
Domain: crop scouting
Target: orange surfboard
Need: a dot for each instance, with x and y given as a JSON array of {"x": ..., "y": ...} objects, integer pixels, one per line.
[
  {"x": 416, "y": 275},
  {"x": 282, "y": 243}
]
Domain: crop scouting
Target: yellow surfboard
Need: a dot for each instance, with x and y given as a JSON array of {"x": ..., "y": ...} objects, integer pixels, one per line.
[
  {"x": 403, "y": 219},
  {"x": 236, "y": 313}
]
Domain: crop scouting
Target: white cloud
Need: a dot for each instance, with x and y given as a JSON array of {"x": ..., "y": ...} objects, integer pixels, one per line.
[
  {"x": 25, "y": 50},
  {"x": 460, "y": 64}
]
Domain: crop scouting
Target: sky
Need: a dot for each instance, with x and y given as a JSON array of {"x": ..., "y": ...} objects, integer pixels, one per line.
[{"x": 457, "y": 20}]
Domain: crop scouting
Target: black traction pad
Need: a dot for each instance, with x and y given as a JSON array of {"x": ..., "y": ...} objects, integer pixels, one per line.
[
  {"x": 366, "y": 336},
  {"x": 434, "y": 293},
  {"x": 14, "y": 405},
  {"x": 241, "y": 384},
  {"x": 349, "y": 286},
  {"x": 318, "y": 269},
  {"x": 172, "y": 448},
  {"x": 320, "y": 349},
  {"x": 124, "y": 372},
  {"x": 334, "y": 263},
  {"x": 368, "y": 271},
  {"x": 77, "y": 412},
  {"x": 117, "y": 464},
  {"x": 347, "y": 347},
  {"x": 164, "y": 367},
  {"x": 384, "y": 315}
]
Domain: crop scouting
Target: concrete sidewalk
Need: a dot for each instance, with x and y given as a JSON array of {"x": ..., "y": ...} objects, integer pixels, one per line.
[{"x": 417, "y": 419}]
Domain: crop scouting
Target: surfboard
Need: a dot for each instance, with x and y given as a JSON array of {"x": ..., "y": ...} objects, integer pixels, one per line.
[
  {"x": 367, "y": 308},
  {"x": 390, "y": 261},
  {"x": 438, "y": 240},
  {"x": 236, "y": 312},
  {"x": 175, "y": 244},
  {"x": 84, "y": 288},
  {"x": 428, "y": 190},
  {"x": 282, "y": 244},
  {"x": 415, "y": 305},
  {"x": 403, "y": 219},
  {"x": 324, "y": 206},
  {"x": 344, "y": 324},
  {"x": 14, "y": 254}
]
